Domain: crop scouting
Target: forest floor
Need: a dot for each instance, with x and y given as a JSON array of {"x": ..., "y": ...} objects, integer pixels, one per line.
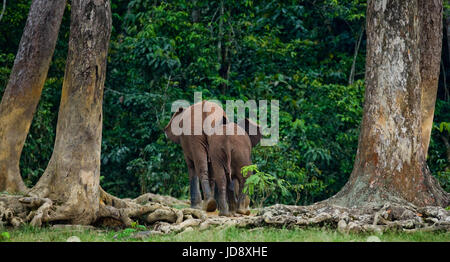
[
  {"x": 278, "y": 223},
  {"x": 48, "y": 234}
]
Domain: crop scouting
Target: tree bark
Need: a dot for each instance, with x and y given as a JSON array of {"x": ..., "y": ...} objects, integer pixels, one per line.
[
  {"x": 430, "y": 46},
  {"x": 69, "y": 190},
  {"x": 351, "y": 78},
  {"x": 73, "y": 174},
  {"x": 447, "y": 20},
  {"x": 390, "y": 161},
  {"x": 25, "y": 85}
]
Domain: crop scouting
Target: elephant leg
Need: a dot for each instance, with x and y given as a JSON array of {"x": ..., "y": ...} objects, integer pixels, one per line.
[
  {"x": 243, "y": 200},
  {"x": 194, "y": 187},
  {"x": 221, "y": 185},
  {"x": 214, "y": 188},
  {"x": 216, "y": 191},
  {"x": 231, "y": 195},
  {"x": 196, "y": 197},
  {"x": 209, "y": 203},
  {"x": 212, "y": 183}
]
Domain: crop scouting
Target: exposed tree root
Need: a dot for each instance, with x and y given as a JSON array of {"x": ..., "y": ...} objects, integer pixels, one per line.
[
  {"x": 162, "y": 219},
  {"x": 112, "y": 211},
  {"x": 164, "y": 200},
  {"x": 11, "y": 211},
  {"x": 371, "y": 219}
]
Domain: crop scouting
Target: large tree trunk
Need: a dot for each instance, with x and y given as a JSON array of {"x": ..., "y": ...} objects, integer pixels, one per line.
[
  {"x": 25, "y": 85},
  {"x": 430, "y": 46},
  {"x": 390, "y": 162},
  {"x": 73, "y": 173},
  {"x": 69, "y": 190}
]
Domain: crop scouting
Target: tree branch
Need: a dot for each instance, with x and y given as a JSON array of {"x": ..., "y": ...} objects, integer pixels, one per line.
[{"x": 3, "y": 10}]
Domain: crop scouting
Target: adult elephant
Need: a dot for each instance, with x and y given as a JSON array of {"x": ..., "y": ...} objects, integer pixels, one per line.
[
  {"x": 228, "y": 154},
  {"x": 191, "y": 128}
]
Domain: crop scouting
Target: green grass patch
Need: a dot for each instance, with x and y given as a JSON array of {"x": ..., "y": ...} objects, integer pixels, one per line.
[{"x": 30, "y": 234}]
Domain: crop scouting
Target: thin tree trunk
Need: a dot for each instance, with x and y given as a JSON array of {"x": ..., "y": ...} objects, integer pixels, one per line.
[
  {"x": 25, "y": 86},
  {"x": 351, "y": 78},
  {"x": 222, "y": 50},
  {"x": 195, "y": 14},
  {"x": 444, "y": 76},
  {"x": 3, "y": 10},
  {"x": 430, "y": 46},
  {"x": 390, "y": 162},
  {"x": 447, "y": 24},
  {"x": 73, "y": 174},
  {"x": 447, "y": 146},
  {"x": 444, "y": 63}
]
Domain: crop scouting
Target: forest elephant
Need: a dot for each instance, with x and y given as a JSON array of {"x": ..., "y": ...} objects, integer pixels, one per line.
[
  {"x": 191, "y": 127},
  {"x": 228, "y": 154}
]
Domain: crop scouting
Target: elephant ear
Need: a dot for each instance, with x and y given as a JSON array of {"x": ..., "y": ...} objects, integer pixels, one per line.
[
  {"x": 253, "y": 130},
  {"x": 168, "y": 129}
]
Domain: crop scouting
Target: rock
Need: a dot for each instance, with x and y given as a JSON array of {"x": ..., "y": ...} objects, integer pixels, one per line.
[
  {"x": 373, "y": 239},
  {"x": 188, "y": 229},
  {"x": 342, "y": 226},
  {"x": 16, "y": 222},
  {"x": 204, "y": 225},
  {"x": 73, "y": 227},
  {"x": 354, "y": 228},
  {"x": 163, "y": 227},
  {"x": 194, "y": 213},
  {"x": 373, "y": 229},
  {"x": 73, "y": 239},
  {"x": 144, "y": 234}
]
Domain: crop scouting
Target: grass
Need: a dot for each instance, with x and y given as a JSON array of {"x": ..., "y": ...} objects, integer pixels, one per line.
[{"x": 30, "y": 234}]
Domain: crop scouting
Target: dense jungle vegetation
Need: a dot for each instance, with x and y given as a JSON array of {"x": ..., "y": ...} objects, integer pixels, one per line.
[{"x": 309, "y": 55}]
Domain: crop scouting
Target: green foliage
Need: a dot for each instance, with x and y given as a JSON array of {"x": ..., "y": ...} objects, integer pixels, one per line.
[
  {"x": 438, "y": 151},
  {"x": 126, "y": 233},
  {"x": 274, "y": 51},
  {"x": 259, "y": 185},
  {"x": 5, "y": 236},
  {"x": 298, "y": 52},
  {"x": 136, "y": 225}
]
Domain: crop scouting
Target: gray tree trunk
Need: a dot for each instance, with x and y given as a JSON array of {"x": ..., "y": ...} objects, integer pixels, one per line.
[
  {"x": 390, "y": 162},
  {"x": 72, "y": 176},
  {"x": 24, "y": 87}
]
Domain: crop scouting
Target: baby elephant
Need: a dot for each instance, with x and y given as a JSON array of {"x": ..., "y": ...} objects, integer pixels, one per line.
[{"x": 228, "y": 153}]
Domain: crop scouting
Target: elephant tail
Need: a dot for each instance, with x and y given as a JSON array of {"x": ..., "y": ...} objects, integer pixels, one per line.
[
  {"x": 228, "y": 175},
  {"x": 226, "y": 163}
]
